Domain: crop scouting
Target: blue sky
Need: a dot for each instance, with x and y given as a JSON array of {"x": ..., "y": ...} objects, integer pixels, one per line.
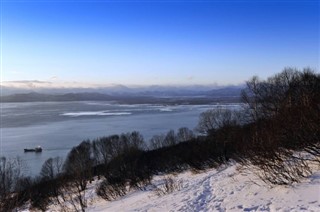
[{"x": 159, "y": 42}]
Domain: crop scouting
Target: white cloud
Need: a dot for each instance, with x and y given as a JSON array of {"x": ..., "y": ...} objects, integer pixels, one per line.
[
  {"x": 31, "y": 84},
  {"x": 54, "y": 78}
]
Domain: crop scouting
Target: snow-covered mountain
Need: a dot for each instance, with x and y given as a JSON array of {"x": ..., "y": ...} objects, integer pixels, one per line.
[{"x": 17, "y": 87}]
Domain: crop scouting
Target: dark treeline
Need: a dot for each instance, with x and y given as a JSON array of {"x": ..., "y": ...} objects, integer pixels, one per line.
[{"x": 275, "y": 133}]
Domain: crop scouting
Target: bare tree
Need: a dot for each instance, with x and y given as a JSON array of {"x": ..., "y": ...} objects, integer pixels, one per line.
[
  {"x": 136, "y": 140},
  {"x": 156, "y": 141},
  {"x": 185, "y": 134},
  {"x": 103, "y": 150},
  {"x": 51, "y": 168},
  {"x": 78, "y": 166},
  {"x": 106, "y": 148},
  {"x": 213, "y": 119},
  {"x": 285, "y": 120},
  {"x": 10, "y": 174},
  {"x": 170, "y": 139}
]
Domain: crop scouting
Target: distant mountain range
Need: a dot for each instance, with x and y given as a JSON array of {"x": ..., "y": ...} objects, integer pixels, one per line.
[{"x": 149, "y": 94}]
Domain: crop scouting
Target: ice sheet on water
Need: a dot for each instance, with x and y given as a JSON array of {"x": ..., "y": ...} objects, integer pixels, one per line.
[{"x": 95, "y": 113}]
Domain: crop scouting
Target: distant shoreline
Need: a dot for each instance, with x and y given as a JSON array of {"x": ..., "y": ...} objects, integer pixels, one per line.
[{"x": 121, "y": 99}]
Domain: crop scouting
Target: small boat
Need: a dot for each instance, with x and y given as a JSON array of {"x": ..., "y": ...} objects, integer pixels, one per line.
[{"x": 37, "y": 149}]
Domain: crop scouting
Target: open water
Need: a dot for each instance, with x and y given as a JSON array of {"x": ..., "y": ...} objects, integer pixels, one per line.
[{"x": 59, "y": 126}]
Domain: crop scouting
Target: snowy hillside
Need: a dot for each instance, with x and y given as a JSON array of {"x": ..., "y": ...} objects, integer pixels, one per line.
[{"x": 225, "y": 189}]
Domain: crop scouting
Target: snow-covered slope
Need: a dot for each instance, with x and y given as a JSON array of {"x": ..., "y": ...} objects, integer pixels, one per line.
[{"x": 225, "y": 189}]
